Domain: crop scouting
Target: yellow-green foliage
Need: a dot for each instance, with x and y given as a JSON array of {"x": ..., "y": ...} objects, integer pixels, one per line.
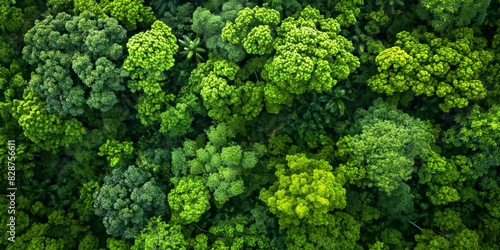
[
  {"x": 224, "y": 95},
  {"x": 150, "y": 54},
  {"x": 128, "y": 12},
  {"x": 310, "y": 55},
  {"x": 306, "y": 191},
  {"x": 463, "y": 239},
  {"x": 385, "y": 149},
  {"x": 339, "y": 231},
  {"x": 160, "y": 235},
  {"x": 348, "y": 11},
  {"x": 448, "y": 67},
  {"x": 221, "y": 164},
  {"x": 48, "y": 131},
  {"x": 189, "y": 200},
  {"x": 11, "y": 17},
  {"x": 254, "y": 29},
  {"x": 115, "y": 151}
]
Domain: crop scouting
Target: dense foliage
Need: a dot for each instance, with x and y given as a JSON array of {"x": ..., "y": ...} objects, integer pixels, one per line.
[{"x": 276, "y": 124}]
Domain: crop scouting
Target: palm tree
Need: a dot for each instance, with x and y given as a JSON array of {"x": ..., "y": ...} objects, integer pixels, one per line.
[{"x": 191, "y": 48}]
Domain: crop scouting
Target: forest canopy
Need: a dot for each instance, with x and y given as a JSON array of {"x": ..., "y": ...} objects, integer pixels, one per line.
[{"x": 270, "y": 124}]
